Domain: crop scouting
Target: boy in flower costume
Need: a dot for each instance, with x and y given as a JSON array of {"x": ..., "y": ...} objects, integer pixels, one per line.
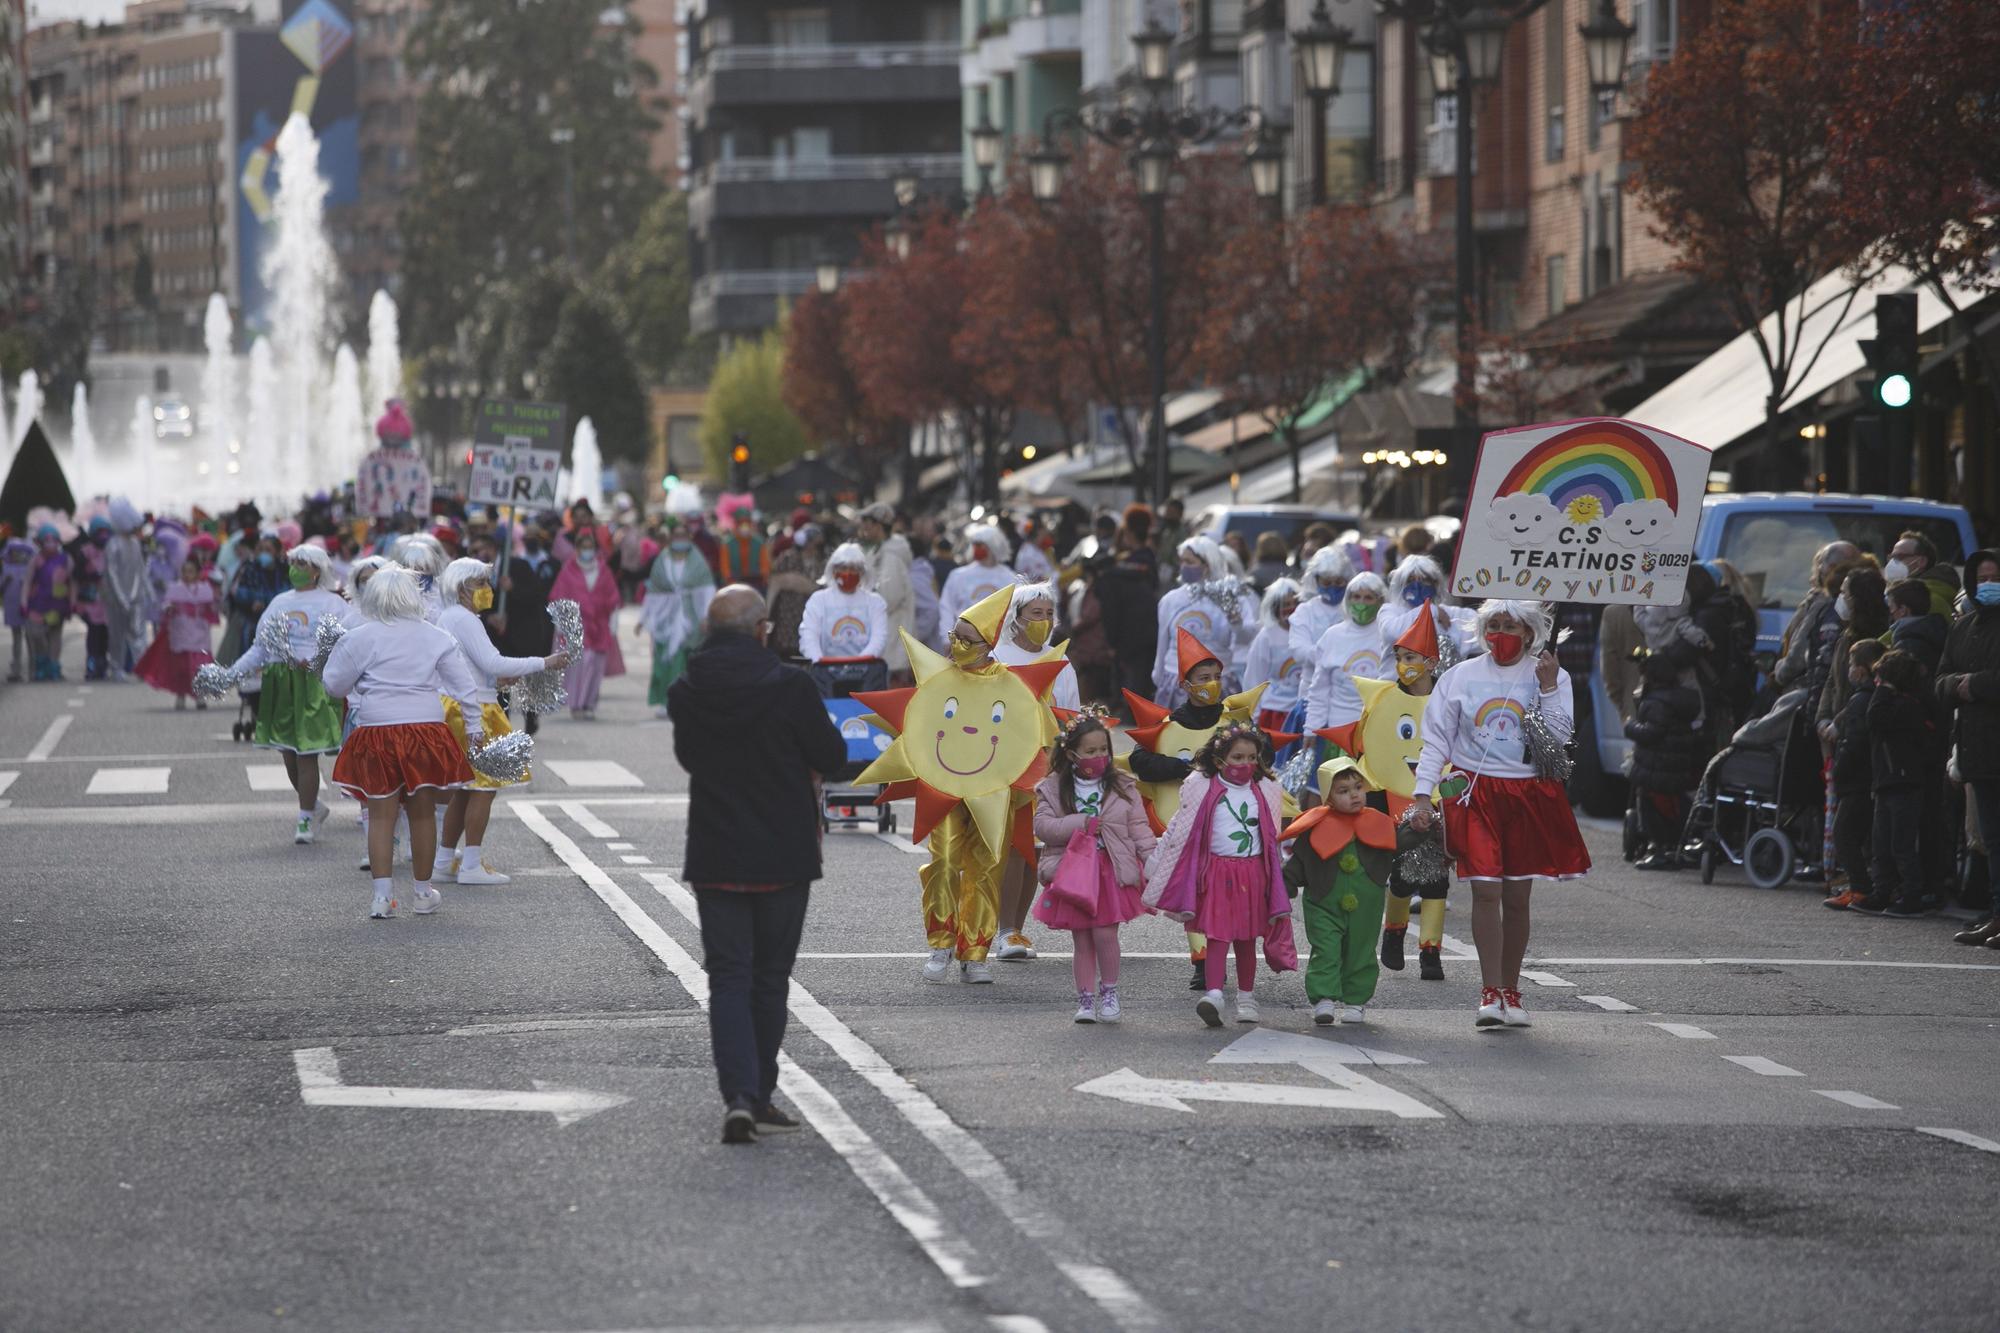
[{"x": 1340, "y": 867}]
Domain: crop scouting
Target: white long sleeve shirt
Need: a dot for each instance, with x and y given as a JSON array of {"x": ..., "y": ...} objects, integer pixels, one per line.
[
  {"x": 1473, "y": 721},
  {"x": 394, "y": 671},
  {"x": 1313, "y": 619},
  {"x": 1343, "y": 653},
  {"x": 300, "y": 611},
  {"x": 1186, "y": 607},
  {"x": 1273, "y": 663},
  {"x": 1064, "y": 695},
  {"x": 488, "y": 664},
  {"x": 967, "y": 585},
  {"x": 844, "y": 624}
]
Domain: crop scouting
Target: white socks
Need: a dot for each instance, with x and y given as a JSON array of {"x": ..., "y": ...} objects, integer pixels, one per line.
[
  {"x": 385, "y": 888},
  {"x": 469, "y": 859}
]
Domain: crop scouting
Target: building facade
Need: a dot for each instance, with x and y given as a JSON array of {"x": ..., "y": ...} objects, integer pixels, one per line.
[
  {"x": 799, "y": 118},
  {"x": 387, "y": 98},
  {"x": 1023, "y": 60}
]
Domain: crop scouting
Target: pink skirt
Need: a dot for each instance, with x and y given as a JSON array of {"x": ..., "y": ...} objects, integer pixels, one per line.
[
  {"x": 1116, "y": 904},
  {"x": 1234, "y": 900}
]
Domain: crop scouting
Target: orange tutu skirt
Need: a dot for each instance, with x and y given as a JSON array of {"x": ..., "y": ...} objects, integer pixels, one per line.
[{"x": 392, "y": 760}]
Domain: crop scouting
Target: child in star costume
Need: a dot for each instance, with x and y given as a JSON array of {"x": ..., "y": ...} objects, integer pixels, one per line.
[
  {"x": 1218, "y": 865},
  {"x": 1085, "y": 794},
  {"x": 1420, "y": 869},
  {"x": 1338, "y": 868}
]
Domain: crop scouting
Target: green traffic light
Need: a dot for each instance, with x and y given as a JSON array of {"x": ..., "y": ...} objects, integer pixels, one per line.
[
  {"x": 668, "y": 482},
  {"x": 1894, "y": 390}
]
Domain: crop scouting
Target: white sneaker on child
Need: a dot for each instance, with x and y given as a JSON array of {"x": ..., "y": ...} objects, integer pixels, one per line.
[
  {"x": 939, "y": 967},
  {"x": 975, "y": 974},
  {"x": 427, "y": 898},
  {"x": 1356, "y": 1013},
  {"x": 479, "y": 874},
  {"x": 303, "y": 834},
  {"x": 1210, "y": 1007},
  {"x": 1107, "y": 1004},
  {"x": 1246, "y": 1007},
  {"x": 445, "y": 871},
  {"x": 1326, "y": 1013},
  {"x": 382, "y": 908},
  {"x": 1086, "y": 1011}
]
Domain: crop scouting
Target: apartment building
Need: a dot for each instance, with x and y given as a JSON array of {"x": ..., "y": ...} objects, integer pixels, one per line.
[
  {"x": 13, "y": 152},
  {"x": 1023, "y": 59},
  {"x": 800, "y": 117}
]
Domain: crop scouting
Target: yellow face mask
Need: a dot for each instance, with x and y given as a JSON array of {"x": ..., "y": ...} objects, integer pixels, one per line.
[
  {"x": 1037, "y": 631},
  {"x": 482, "y": 599},
  {"x": 1206, "y": 693},
  {"x": 965, "y": 654},
  {"x": 1409, "y": 673}
]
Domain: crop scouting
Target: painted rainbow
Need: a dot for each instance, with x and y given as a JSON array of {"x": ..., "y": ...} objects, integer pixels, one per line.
[
  {"x": 1492, "y": 706},
  {"x": 1606, "y": 459}
]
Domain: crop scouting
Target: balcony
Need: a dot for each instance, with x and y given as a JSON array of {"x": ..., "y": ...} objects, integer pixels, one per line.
[
  {"x": 746, "y": 299},
  {"x": 846, "y": 74},
  {"x": 841, "y": 186}
]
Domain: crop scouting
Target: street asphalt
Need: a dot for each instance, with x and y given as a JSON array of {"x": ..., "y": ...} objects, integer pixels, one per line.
[{"x": 1735, "y": 1110}]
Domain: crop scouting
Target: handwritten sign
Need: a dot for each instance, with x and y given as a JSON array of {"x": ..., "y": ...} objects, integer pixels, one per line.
[
  {"x": 392, "y": 480},
  {"x": 517, "y": 454}
]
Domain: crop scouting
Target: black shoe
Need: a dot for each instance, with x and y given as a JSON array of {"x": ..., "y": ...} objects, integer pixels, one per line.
[
  {"x": 1200, "y": 981},
  {"x": 1873, "y": 905},
  {"x": 739, "y": 1125},
  {"x": 531, "y": 723},
  {"x": 770, "y": 1120},
  {"x": 1979, "y": 931},
  {"x": 1430, "y": 962},
  {"x": 1905, "y": 907},
  {"x": 1657, "y": 861},
  {"x": 1392, "y": 947}
]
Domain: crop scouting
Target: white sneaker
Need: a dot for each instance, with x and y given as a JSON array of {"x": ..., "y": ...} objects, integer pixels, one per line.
[
  {"x": 1015, "y": 948},
  {"x": 661, "y": 712},
  {"x": 445, "y": 871},
  {"x": 939, "y": 967},
  {"x": 1326, "y": 1013},
  {"x": 1210, "y": 1007},
  {"x": 975, "y": 974},
  {"x": 1512, "y": 1013},
  {"x": 1107, "y": 1004},
  {"x": 382, "y": 908},
  {"x": 1492, "y": 1011},
  {"x": 480, "y": 874},
  {"x": 303, "y": 834},
  {"x": 365, "y": 863},
  {"x": 1246, "y": 1008},
  {"x": 1356, "y": 1013},
  {"x": 1086, "y": 1009},
  {"x": 427, "y": 898}
]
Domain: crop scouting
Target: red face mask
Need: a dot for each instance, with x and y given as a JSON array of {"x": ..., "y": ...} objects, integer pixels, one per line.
[
  {"x": 1506, "y": 648},
  {"x": 847, "y": 580},
  {"x": 980, "y": 553}
]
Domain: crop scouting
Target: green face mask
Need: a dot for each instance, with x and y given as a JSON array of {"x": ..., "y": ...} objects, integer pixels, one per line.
[
  {"x": 303, "y": 578},
  {"x": 1362, "y": 613}
]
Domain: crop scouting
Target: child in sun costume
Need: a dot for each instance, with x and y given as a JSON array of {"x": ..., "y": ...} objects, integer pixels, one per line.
[
  {"x": 972, "y": 740},
  {"x": 1341, "y": 862}
]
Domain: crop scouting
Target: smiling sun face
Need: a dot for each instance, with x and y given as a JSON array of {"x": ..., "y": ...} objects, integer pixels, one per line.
[{"x": 1388, "y": 739}]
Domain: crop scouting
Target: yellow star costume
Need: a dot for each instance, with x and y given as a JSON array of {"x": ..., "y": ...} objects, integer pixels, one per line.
[{"x": 970, "y": 746}]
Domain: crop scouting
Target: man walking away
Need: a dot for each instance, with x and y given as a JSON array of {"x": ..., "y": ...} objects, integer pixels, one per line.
[{"x": 751, "y": 733}]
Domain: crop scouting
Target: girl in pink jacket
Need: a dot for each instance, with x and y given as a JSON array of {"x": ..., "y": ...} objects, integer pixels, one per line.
[{"x": 1084, "y": 794}]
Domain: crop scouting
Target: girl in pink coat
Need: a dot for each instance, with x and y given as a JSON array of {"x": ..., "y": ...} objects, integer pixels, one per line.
[
  {"x": 1084, "y": 794},
  {"x": 1219, "y": 866}
]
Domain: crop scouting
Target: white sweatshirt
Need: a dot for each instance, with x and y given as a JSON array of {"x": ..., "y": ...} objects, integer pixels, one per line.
[
  {"x": 968, "y": 585},
  {"x": 1343, "y": 653},
  {"x": 487, "y": 663},
  {"x": 1064, "y": 695},
  {"x": 1186, "y": 607},
  {"x": 1272, "y": 659},
  {"x": 399, "y": 668},
  {"x": 300, "y": 610},
  {"x": 1312, "y": 620},
  {"x": 844, "y": 624},
  {"x": 1474, "y": 719}
]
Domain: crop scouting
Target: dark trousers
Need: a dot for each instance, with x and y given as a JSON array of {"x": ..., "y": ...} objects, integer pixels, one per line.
[
  {"x": 1899, "y": 864},
  {"x": 1986, "y": 809},
  {"x": 1853, "y": 826},
  {"x": 1662, "y": 816},
  {"x": 1942, "y": 819},
  {"x": 749, "y": 942}
]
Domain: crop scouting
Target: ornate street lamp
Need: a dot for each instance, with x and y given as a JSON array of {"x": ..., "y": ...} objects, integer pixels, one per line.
[
  {"x": 905, "y": 185},
  {"x": 987, "y": 139},
  {"x": 1321, "y": 45},
  {"x": 827, "y": 277},
  {"x": 1266, "y": 158},
  {"x": 1155, "y": 48},
  {"x": 1606, "y": 41},
  {"x": 1483, "y": 35},
  {"x": 1046, "y": 166}
]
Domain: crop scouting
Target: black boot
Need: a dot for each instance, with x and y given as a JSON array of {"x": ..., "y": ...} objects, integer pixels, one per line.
[
  {"x": 1392, "y": 947},
  {"x": 1200, "y": 981},
  {"x": 1430, "y": 962}
]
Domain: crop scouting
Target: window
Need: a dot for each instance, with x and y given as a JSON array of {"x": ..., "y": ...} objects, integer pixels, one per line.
[
  {"x": 684, "y": 455},
  {"x": 1557, "y": 268},
  {"x": 1555, "y": 76},
  {"x": 941, "y": 25},
  {"x": 1657, "y": 23},
  {"x": 801, "y": 27},
  {"x": 804, "y": 143}
]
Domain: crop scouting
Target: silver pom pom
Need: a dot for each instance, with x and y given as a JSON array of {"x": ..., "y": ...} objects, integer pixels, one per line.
[
  {"x": 505, "y": 759},
  {"x": 325, "y": 635},
  {"x": 1298, "y": 774},
  {"x": 212, "y": 680},
  {"x": 274, "y": 636},
  {"x": 1550, "y": 756},
  {"x": 568, "y": 618},
  {"x": 1448, "y": 654},
  {"x": 1421, "y": 862},
  {"x": 541, "y": 692}
]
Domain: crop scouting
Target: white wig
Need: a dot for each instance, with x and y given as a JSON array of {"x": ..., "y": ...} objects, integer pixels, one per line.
[
  {"x": 422, "y": 553},
  {"x": 1205, "y": 550},
  {"x": 360, "y": 571},
  {"x": 985, "y": 534},
  {"x": 392, "y": 594},
  {"x": 1329, "y": 566},
  {"x": 1368, "y": 581},
  {"x": 847, "y": 555},
  {"x": 457, "y": 574},
  {"x": 1025, "y": 594},
  {"x": 1535, "y": 617},
  {"x": 316, "y": 557},
  {"x": 1417, "y": 569},
  {"x": 1275, "y": 596}
]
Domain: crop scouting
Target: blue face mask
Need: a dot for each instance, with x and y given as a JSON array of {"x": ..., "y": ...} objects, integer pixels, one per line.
[
  {"x": 680, "y": 546},
  {"x": 266, "y": 559},
  {"x": 1192, "y": 573},
  {"x": 1333, "y": 596},
  {"x": 1987, "y": 594},
  {"x": 1418, "y": 593}
]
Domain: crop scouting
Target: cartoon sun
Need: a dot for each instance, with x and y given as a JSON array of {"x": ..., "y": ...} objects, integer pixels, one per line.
[
  {"x": 1387, "y": 740},
  {"x": 972, "y": 737},
  {"x": 1585, "y": 509},
  {"x": 1153, "y": 729}
]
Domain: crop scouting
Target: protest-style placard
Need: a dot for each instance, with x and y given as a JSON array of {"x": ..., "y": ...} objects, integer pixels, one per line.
[
  {"x": 1601, "y": 510},
  {"x": 517, "y": 454},
  {"x": 392, "y": 480}
]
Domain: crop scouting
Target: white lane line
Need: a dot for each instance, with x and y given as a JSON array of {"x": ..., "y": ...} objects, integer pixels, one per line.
[
  {"x": 1456, "y": 948},
  {"x": 1860, "y": 1101},
  {"x": 586, "y": 821},
  {"x": 51, "y": 738},
  {"x": 879, "y": 1172},
  {"x": 1757, "y": 1064},
  {"x": 1759, "y": 962},
  {"x": 671, "y": 800},
  {"x": 1686, "y": 1030},
  {"x": 1960, "y": 1136},
  {"x": 267, "y": 777},
  {"x": 6, "y": 781},
  {"x": 128, "y": 782},
  {"x": 1611, "y": 1003},
  {"x": 1112, "y": 1294},
  {"x": 617, "y": 846},
  {"x": 573, "y": 1024},
  {"x": 73, "y": 703},
  {"x": 1016, "y": 1323},
  {"x": 1548, "y": 979},
  {"x": 593, "y": 773},
  {"x": 146, "y": 814},
  {"x": 636, "y": 860},
  {"x": 85, "y": 689},
  {"x": 901, "y": 843}
]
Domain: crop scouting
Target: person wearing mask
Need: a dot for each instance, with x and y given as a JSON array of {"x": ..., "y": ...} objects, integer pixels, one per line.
[
  {"x": 87, "y": 556},
  {"x": 1171, "y": 531},
  {"x": 844, "y": 617},
  {"x": 1915, "y": 556},
  {"x": 1273, "y": 561},
  {"x": 520, "y": 622},
  {"x": 1968, "y": 691},
  {"x": 1854, "y": 780},
  {"x": 744, "y": 556},
  {"x": 1272, "y": 662},
  {"x": 129, "y": 599},
  {"x": 679, "y": 589},
  {"x": 1863, "y": 614},
  {"x": 1026, "y": 632},
  {"x": 1913, "y": 626},
  {"x": 1323, "y": 589},
  {"x": 1800, "y": 641},
  {"x": 585, "y": 581},
  {"x": 1208, "y": 602},
  {"x": 1902, "y": 746},
  {"x": 973, "y": 582},
  {"x": 1920, "y": 632},
  {"x": 1129, "y": 592},
  {"x": 891, "y": 576},
  {"x": 1413, "y": 589},
  {"x": 1350, "y": 650},
  {"x": 1032, "y": 561}
]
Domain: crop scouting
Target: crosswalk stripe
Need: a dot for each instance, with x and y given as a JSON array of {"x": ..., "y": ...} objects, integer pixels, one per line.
[
  {"x": 128, "y": 782},
  {"x": 6, "y": 781},
  {"x": 268, "y": 777},
  {"x": 592, "y": 772}
]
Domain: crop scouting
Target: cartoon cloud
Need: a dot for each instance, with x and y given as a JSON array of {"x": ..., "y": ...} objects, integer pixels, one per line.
[
  {"x": 1638, "y": 523},
  {"x": 1522, "y": 519}
]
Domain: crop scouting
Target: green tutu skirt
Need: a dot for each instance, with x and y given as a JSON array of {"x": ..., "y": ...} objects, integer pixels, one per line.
[
  {"x": 666, "y": 670},
  {"x": 296, "y": 713}
]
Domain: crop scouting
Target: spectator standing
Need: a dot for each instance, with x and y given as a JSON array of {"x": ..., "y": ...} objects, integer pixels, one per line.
[
  {"x": 1968, "y": 689},
  {"x": 1272, "y": 562},
  {"x": 520, "y": 622},
  {"x": 1915, "y": 556},
  {"x": 1913, "y": 626},
  {"x": 1795, "y": 649},
  {"x": 1864, "y": 615},
  {"x": 1667, "y": 753},
  {"x": 891, "y": 575},
  {"x": 751, "y": 733},
  {"x": 1170, "y": 532},
  {"x": 1899, "y": 736},
  {"x": 1854, "y": 779}
]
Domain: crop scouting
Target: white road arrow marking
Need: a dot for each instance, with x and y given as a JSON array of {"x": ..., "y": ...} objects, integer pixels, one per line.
[
  {"x": 1328, "y": 1059},
  {"x": 320, "y": 1085}
]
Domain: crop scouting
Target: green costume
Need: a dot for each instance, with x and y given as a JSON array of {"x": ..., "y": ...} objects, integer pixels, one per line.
[
  {"x": 1341, "y": 865},
  {"x": 678, "y": 591}
]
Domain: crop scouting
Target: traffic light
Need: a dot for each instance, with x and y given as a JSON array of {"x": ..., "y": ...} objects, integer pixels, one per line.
[
  {"x": 739, "y": 462},
  {"x": 1892, "y": 352}
]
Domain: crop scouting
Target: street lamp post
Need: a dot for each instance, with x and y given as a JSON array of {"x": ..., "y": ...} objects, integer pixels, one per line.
[
  {"x": 1321, "y": 45},
  {"x": 986, "y": 143},
  {"x": 1154, "y": 133}
]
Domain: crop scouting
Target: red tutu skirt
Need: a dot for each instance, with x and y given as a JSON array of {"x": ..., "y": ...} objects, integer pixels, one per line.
[
  {"x": 1116, "y": 903},
  {"x": 390, "y": 760},
  {"x": 1234, "y": 900},
  {"x": 1514, "y": 828},
  {"x": 164, "y": 669}
]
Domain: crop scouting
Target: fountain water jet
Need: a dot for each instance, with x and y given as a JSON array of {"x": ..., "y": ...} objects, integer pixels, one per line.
[
  {"x": 27, "y": 405},
  {"x": 346, "y": 422},
  {"x": 221, "y": 425},
  {"x": 385, "y": 352},
  {"x": 82, "y": 442},
  {"x": 139, "y": 444},
  {"x": 301, "y": 272},
  {"x": 261, "y": 431},
  {"x": 586, "y": 467}
]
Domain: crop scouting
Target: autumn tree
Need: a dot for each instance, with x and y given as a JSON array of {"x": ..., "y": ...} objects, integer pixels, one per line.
[
  {"x": 1731, "y": 153},
  {"x": 746, "y": 397},
  {"x": 822, "y": 389},
  {"x": 1305, "y": 303}
]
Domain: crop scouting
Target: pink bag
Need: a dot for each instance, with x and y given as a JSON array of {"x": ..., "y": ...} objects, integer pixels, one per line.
[
  {"x": 1076, "y": 884},
  {"x": 1281, "y": 951}
]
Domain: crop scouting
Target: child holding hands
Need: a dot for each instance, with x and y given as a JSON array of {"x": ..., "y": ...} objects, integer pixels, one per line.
[{"x": 1341, "y": 862}]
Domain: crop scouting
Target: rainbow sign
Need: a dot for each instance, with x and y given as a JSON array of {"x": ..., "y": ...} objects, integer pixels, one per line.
[
  {"x": 1498, "y": 707},
  {"x": 1605, "y": 459}
]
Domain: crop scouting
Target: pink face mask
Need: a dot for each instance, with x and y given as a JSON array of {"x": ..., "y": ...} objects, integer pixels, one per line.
[
  {"x": 1238, "y": 774},
  {"x": 1093, "y": 767}
]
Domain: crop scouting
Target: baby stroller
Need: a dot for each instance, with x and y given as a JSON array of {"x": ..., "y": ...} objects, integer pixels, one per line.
[
  {"x": 842, "y": 800},
  {"x": 1762, "y": 797}
]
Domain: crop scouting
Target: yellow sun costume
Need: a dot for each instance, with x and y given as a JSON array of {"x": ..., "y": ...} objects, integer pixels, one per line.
[{"x": 971, "y": 743}]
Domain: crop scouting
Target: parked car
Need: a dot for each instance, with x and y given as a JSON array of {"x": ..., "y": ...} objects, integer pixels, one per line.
[
  {"x": 1253, "y": 521},
  {"x": 1770, "y": 538},
  {"x": 172, "y": 420}
]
